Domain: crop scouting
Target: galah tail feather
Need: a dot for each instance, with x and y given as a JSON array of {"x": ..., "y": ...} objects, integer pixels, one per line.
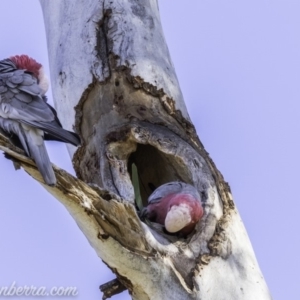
[
  {"x": 176, "y": 205},
  {"x": 26, "y": 116}
]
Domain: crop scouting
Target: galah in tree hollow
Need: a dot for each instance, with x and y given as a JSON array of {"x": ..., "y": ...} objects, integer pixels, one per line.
[
  {"x": 176, "y": 205},
  {"x": 25, "y": 114}
]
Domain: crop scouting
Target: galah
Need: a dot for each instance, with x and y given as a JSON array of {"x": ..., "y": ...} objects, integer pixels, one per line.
[
  {"x": 176, "y": 205},
  {"x": 25, "y": 114}
]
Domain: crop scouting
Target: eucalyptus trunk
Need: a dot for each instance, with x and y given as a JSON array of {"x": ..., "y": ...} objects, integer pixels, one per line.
[{"x": 114, "y": 82}]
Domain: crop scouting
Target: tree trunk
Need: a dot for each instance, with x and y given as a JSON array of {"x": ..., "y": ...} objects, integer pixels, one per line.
[{"x": 110, "y": 61}]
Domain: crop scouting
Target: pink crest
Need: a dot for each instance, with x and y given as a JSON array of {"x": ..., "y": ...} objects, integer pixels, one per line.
[{"x": 26, "y": 63}]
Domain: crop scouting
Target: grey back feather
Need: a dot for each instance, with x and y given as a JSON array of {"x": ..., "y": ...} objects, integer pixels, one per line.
[
  {"x": 172, "y": 188},
  {"x": 25, "y": 113}
]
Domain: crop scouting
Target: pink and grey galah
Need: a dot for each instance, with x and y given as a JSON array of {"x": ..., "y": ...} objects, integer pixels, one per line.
[
  {"x": 176, "y": 205},
  {"x": 25, "y": 115}
]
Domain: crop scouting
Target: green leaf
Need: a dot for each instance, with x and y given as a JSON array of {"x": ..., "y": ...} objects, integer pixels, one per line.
[{"x": 136, "y": 186}]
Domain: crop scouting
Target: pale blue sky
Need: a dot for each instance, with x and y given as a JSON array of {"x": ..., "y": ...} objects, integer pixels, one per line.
[{"x": 238, "y": 63}]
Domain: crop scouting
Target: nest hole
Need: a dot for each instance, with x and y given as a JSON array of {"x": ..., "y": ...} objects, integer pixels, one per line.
[{"x": 155, "y": 168}]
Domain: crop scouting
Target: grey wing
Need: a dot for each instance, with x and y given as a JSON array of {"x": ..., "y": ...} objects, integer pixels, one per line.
[
  {"x": 54, "y": 129},
  {"x": 21, "y": 98},
  {"x": 15, "y": 127},
  {"x": 33, "y": 144}
]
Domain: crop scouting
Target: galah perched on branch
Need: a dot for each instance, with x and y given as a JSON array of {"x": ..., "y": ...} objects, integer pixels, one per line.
[
  {"x": 24, "y": 113},
  {"x": 176, "y": 205}
]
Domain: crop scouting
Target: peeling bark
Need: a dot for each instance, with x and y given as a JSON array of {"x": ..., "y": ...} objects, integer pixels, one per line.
[{"x": 110, "y": 62}]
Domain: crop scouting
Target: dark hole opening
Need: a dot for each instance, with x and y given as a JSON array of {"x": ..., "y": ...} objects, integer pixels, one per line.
[{"x": 156, "y": 168}]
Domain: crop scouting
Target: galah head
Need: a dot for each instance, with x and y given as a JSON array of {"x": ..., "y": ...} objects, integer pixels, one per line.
[
  {"x": 24, "y": 62},
  {"x": 177, "y": 206}
]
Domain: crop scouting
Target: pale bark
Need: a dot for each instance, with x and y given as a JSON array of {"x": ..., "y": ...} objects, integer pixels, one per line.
[{"x": 109, "y": 59}]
